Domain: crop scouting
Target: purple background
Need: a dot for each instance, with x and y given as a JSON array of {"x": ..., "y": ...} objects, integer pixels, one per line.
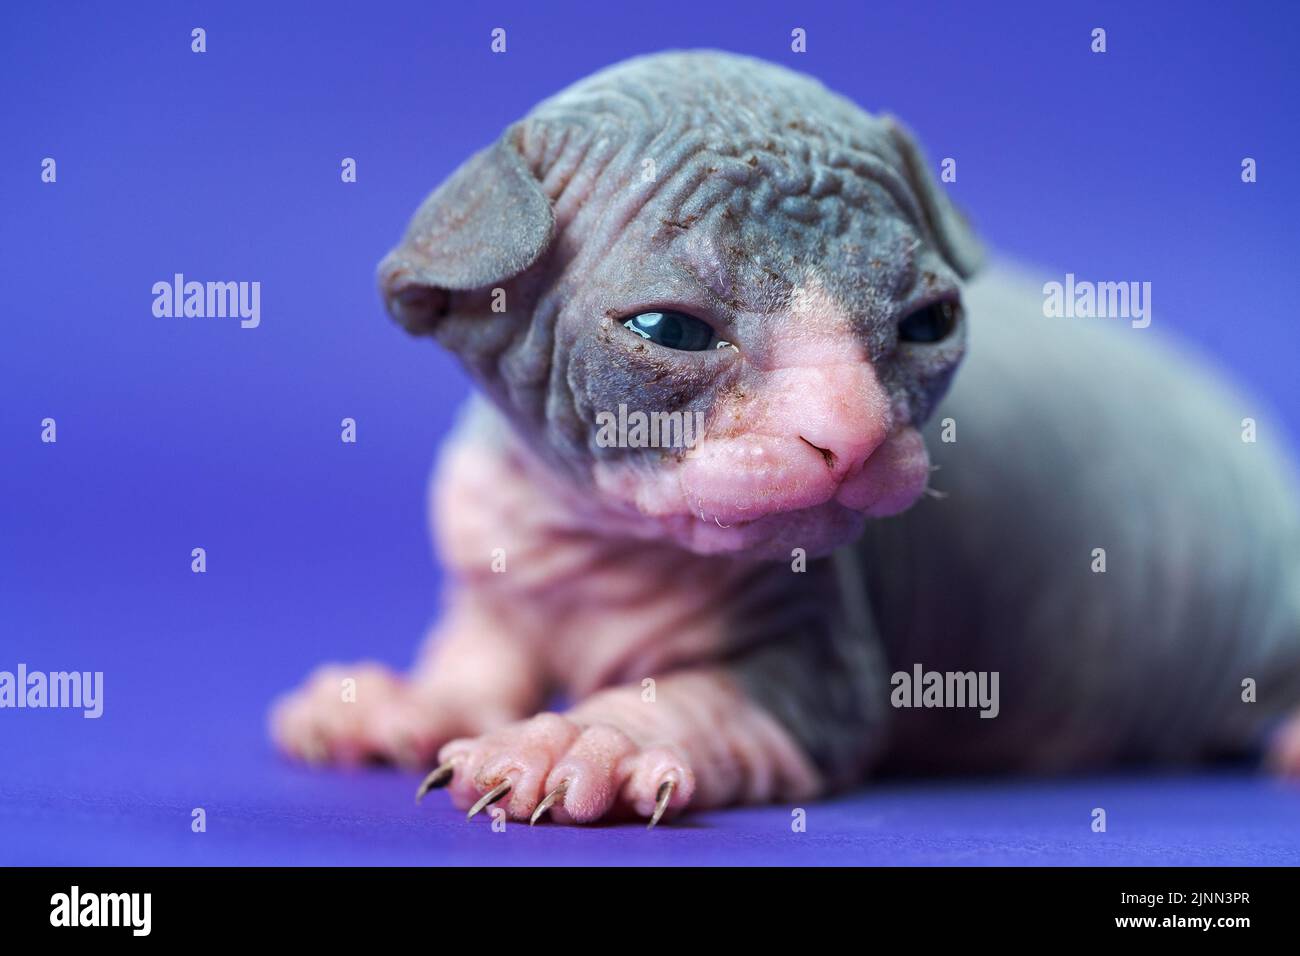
[{"x": 177, "y": 433}]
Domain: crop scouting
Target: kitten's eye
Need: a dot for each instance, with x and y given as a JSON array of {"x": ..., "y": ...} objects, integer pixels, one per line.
[
  {"x": 674, "y": 330},
  {"x": 934, "y": 323}
]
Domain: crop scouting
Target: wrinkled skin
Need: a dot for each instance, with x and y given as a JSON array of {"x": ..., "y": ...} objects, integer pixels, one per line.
[{"x": 804, "y": 232}]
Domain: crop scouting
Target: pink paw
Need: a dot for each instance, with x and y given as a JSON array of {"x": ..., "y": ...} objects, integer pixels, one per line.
[
  {"x": 579, "y": 773},
  {"x": 351, "y": 714}
]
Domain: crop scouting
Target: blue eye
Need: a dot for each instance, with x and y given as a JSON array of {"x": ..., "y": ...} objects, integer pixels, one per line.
[
  {"x": 673, "y": 330},
  {"x": 934, "y": 323}
]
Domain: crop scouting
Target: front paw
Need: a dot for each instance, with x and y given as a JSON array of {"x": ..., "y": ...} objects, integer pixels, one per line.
[
  {"x": 579, "y": 773},
  {"x": 357, "y": 713}
]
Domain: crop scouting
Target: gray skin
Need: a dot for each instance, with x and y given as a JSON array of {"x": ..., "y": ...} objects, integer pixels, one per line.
[{"x": 1072, "y": 434}]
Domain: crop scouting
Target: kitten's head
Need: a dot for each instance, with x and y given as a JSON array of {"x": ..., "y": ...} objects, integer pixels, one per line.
[{"x": 717, "y": 297}]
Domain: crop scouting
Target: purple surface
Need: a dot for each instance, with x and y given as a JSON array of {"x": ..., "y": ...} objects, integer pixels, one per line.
[
  {"x": 175, "y": 434},
  {"x": 262, "y": 812}
]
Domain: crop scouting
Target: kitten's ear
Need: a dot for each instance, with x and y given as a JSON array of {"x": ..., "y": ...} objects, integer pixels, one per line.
[
  {"x": 485, "y": 225},
  {"x": 951, "y": 231}
]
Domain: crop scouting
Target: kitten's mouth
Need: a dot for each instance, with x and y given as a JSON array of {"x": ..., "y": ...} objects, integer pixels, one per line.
[
  {"x": 737, "y": 495},
  {"x": 753, "y": 482}
]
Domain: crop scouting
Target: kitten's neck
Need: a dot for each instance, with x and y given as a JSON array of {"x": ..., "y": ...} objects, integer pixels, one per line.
[{"x": 609, "y": 605}]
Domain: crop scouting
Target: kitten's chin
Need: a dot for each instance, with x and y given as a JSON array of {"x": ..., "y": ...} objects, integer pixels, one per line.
[{"x": 785, "y": 536}]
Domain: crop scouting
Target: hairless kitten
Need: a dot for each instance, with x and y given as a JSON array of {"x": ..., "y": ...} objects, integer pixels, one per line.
[{"x": 711, "y": 235}]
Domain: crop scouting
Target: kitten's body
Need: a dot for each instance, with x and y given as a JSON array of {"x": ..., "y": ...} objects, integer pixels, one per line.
[
  {"x": 1070, "y": 435},
  {"x": 1074, "y": 435},
  {"x": 663, "y": 592}
]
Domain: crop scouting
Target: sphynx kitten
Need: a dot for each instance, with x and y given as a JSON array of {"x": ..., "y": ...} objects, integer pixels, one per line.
[{"x": 707, "y": 233}]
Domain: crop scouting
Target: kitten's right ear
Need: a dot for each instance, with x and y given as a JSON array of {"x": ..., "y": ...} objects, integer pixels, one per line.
[
  {"x": 485, "y": 225},
  {"x": 956, "y": 240}
]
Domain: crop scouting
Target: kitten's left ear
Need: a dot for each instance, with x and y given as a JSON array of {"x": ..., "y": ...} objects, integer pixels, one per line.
[{"x": 951, "y": 232}]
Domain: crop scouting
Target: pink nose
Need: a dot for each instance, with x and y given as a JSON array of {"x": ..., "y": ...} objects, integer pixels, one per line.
[
  {"x": 841, "y": 448},
  {"x": 839, "y": 411},
  {"x": 809, "y": 438}
]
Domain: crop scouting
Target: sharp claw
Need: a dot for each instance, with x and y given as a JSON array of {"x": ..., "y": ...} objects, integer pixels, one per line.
[
  {"x": 492, "y": 796},
  {"x": 548, "y": 801},
  {"x": 439, "y": 777},
  {"x": 661, "y": 801}
]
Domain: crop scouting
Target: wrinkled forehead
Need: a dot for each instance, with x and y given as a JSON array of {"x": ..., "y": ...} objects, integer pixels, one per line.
[
  {"x": 739, "y": 181},
  {"x": 752, "y": 213},
  {"x": 747, "y": 252},
  {"x": 757, "y": 256}
]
